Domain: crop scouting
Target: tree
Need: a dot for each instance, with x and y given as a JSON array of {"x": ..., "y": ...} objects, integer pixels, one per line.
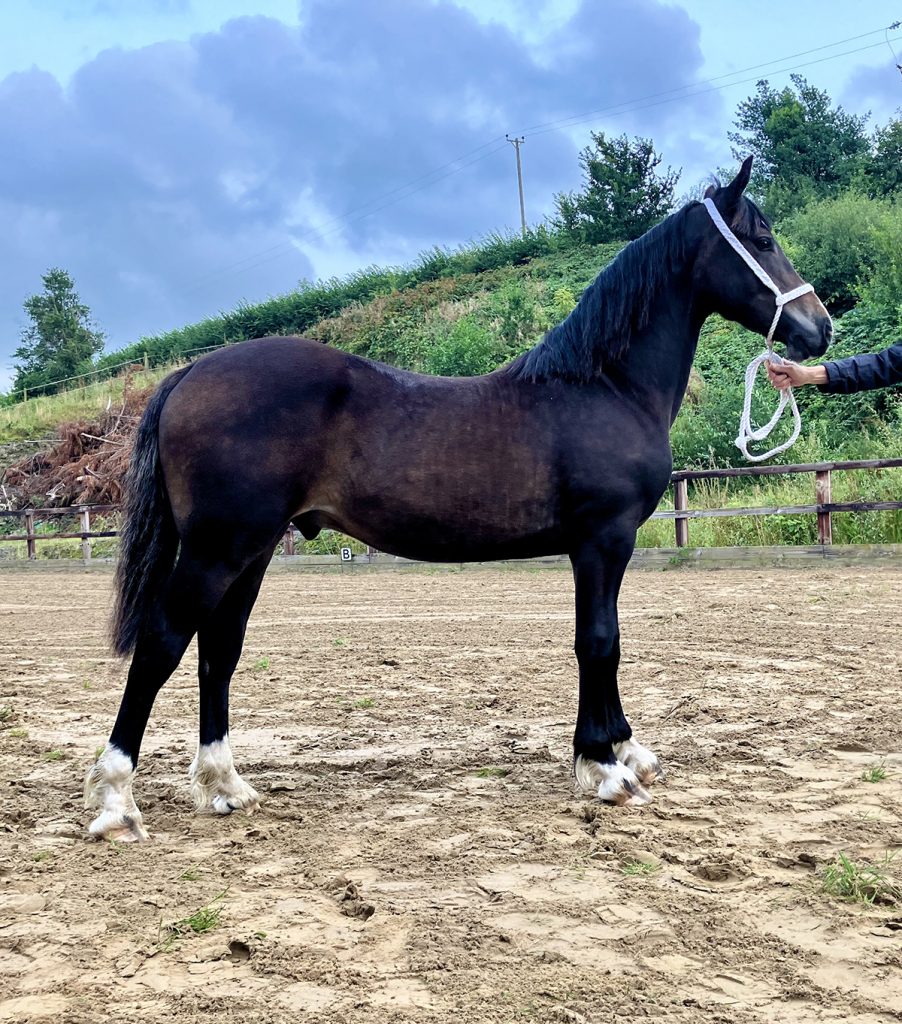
[
  {"x": 883, "y": 173},
  {"x": 623, "y": 195},
  {"x": 804, "y": 148},
  {"x": 836, "y": 244},
  {"x": 60, "y": 340}
]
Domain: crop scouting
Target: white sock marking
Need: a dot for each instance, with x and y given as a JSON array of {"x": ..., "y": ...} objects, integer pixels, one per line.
[
  {"x": 215, "y": 785},
  {"x": 108, "y": 785}
]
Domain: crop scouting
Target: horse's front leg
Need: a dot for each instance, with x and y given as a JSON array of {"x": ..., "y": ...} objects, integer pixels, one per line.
[{"x": 608, "y": 762}]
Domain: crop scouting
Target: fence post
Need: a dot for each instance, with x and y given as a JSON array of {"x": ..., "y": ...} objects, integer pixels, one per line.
[
  {"x": 85, "y": 534},
  {"x": 288, "y": 545},
  {"x": 29, "y": 536},
  {"x": 823, "y": 495},
  {"x": 680, "y": 504}
]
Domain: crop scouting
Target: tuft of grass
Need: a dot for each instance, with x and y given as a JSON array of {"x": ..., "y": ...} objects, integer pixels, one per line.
[
  {"x": 638, "y": 868},
  {"x": 42, "y": 855},
  {"x": 339, "y": 641},
  {"x": 859, "y": 883},
  {"x": 6, "y": 712},
  {"x": 53, "y": 755},
  {"x": 21, "y": 734},
  {"x": 491, "y": 772},
  {"x": 191, "y": 874},
  {"x": 876, "y": 773},
  {"x": 364, "y": 703},
  {"x": 203, "y": 919},
  {"x": 261, "y": 664}
]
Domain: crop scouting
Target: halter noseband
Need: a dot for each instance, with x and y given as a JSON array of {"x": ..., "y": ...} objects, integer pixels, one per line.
[{"x": 747, "y": 433}]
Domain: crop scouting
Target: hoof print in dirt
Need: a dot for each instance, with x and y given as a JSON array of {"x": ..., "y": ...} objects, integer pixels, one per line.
[
  {"x": 719, "y": 869},
  {"x": 239, "y": 951}
]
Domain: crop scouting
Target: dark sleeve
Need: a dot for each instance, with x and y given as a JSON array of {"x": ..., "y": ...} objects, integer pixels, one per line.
[{"x": 865, "y": 372}]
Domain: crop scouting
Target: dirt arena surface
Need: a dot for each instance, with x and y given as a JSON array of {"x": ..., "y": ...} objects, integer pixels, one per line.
[{"x": 420, "y": 855}]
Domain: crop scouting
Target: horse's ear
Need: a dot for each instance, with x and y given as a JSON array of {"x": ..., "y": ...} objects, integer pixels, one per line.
[
  {"x": 732, "y": 192},
  {"x": 710, "y": 192}
]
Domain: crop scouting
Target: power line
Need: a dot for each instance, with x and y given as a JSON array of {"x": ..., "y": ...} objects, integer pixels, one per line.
[
  {"x": 287, "y": 246},
  {"x": 615, "y": 112},
  {"x": 343, "y": 221},
  {"x": 708, "y": 81},
  {"x": 457, "y": 164}
]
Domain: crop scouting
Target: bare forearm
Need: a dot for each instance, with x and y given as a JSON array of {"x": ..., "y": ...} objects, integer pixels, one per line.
[{"x": 815, "y": 374}]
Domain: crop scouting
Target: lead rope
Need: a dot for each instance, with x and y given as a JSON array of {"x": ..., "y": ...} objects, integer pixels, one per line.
[{"x": 748, "y": 433}]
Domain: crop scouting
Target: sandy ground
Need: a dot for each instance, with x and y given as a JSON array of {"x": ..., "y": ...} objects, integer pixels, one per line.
[{"x": 420, "y": 855}]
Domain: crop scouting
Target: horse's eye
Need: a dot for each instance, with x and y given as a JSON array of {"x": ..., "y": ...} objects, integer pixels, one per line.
[{"x": 764, "y": 243}]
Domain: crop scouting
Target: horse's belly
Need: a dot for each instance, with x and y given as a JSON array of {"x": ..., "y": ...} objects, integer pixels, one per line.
[{"x": 455, "y": 538}]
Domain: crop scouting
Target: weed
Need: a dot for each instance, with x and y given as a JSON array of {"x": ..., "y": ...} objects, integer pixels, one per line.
[
  {"x": 191, "y": 875},
  {"x": 364, "y": 703},
  {"x": 859, "y": 883},
  {"x": 202, "y": 920},
  {"x": 21, "y": 734},
  {"x": 6, "y": 712},
  {"x": 97, "y": 752},
  {"x": 876, "y": 773},
  {"x": 53, "y": 755},
  {"x": 491, "y": 772},
  {"x": 339, "y": 641},
  {"x": 42, "y": 855},
  {"x": 261, "y": 664},
  {"x": 639, "y": 868}
]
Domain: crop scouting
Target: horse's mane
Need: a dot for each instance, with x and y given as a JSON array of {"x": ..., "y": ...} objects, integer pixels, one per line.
[{"x": 610, "y": 311}]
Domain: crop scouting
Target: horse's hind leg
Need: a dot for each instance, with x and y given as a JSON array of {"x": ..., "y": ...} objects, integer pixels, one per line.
[
  {"x": 193, "y": 590},
  {"x": 608, "y": 762},
  {"x": 215, "y": 785}
]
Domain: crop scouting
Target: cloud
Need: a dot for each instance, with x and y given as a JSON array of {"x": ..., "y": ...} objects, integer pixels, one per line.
[
  {"x": 158, "y": 169},
  {"x": 878, "y": 89}
]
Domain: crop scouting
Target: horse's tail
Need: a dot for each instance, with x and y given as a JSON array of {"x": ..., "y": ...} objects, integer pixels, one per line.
[{"x": 148, "y": 541}]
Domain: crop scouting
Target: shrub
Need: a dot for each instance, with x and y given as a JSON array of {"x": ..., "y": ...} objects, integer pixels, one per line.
[{"x": 837, "y": 244}]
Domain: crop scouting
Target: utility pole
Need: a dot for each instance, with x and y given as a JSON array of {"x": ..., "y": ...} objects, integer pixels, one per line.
[{"x": 517, "y": 143}]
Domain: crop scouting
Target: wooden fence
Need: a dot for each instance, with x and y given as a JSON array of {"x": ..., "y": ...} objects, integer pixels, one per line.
[{"x": 823, "y": 507}]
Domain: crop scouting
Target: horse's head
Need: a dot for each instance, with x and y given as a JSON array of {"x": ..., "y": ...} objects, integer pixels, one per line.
[{"x": 727, "y": 285}]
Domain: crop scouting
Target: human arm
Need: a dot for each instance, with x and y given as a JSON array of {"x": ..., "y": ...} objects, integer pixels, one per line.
[
  {"x": 864, "y": 372},
  {"x": 793, "y": 375}
]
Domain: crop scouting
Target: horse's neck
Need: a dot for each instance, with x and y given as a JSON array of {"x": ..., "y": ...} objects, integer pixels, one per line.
[{"x": 659, "y": 358}]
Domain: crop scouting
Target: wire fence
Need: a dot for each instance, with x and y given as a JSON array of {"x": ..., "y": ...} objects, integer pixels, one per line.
[{"x": 106, "y": 373}]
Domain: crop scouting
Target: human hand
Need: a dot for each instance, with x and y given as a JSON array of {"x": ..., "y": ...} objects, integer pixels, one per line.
[{"x": 792, "y": 375}]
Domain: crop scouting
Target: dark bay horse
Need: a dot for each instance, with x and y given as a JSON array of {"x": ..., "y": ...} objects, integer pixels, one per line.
[{"x": 565, "y": 450}]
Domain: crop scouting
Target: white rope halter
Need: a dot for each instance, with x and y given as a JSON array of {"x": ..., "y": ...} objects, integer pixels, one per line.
[{"x": 748, "y": 433}]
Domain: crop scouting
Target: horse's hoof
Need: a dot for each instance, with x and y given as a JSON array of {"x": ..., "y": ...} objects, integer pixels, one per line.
[
  {"x": 121, "y": 828},
  {"x": 611, "y": 783},
  {"x": 641, "y": 761},
  {"x": 247, "y": 800}
]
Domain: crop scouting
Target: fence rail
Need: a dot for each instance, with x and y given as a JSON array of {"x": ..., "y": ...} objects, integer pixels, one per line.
[{"x": 823, "y": 506}]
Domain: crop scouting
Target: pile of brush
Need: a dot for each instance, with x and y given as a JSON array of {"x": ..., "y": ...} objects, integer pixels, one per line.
[{"x": 86, "y": 466}]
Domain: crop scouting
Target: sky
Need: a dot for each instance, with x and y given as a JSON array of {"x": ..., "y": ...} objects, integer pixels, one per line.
[{"x": 179, "y": 157}]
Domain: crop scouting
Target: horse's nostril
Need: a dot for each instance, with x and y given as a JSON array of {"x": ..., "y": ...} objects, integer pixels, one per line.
[{"x": 827, "y": 331}]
